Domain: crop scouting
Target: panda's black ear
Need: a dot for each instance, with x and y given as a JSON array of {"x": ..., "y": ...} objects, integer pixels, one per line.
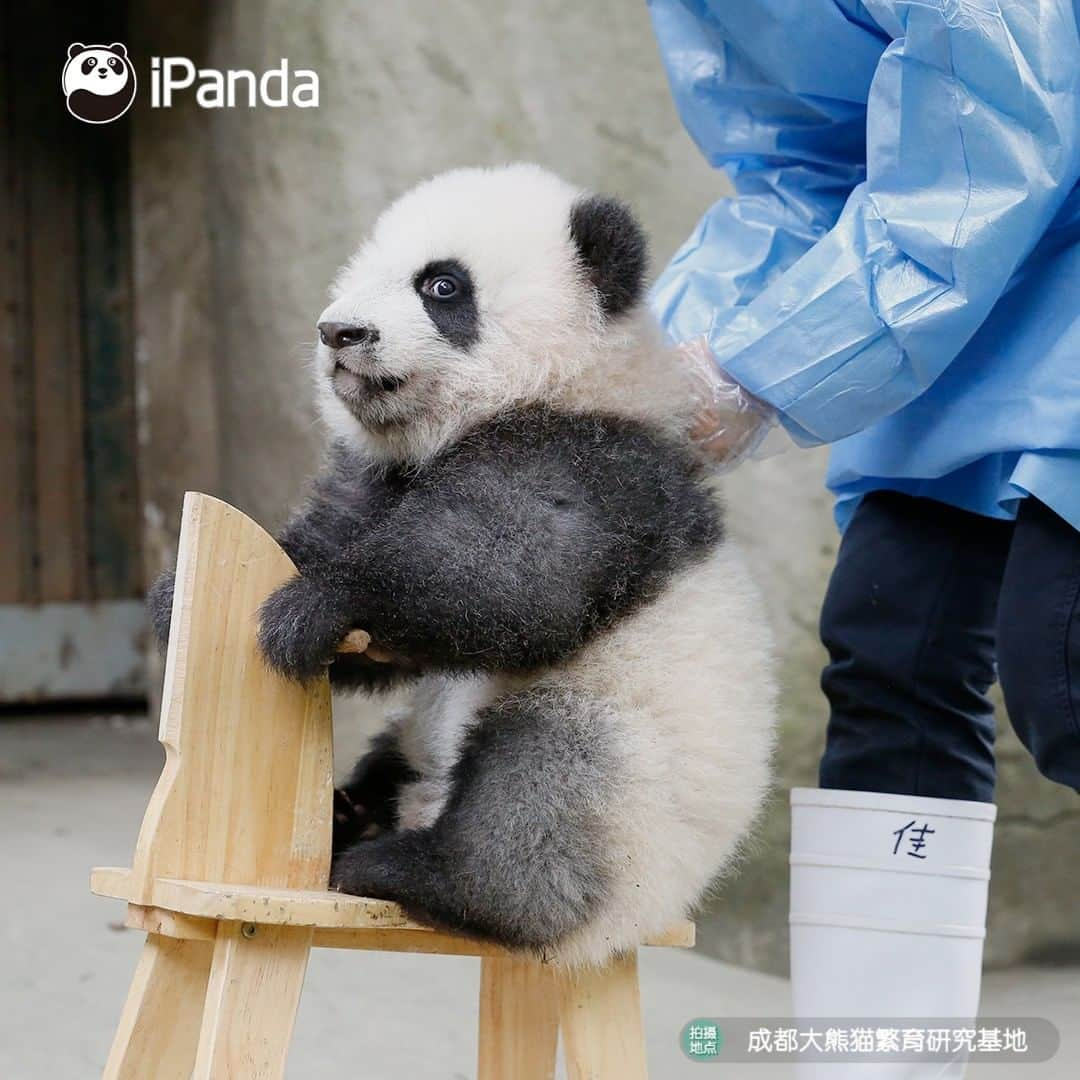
[
  {"x": 119, "y": 48},
  {"x": 75, "y": 48},
  {"x": 613, "y": 249}
]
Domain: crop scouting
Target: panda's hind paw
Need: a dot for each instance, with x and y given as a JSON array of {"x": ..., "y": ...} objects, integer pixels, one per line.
[{"x": 352, "y": 823}]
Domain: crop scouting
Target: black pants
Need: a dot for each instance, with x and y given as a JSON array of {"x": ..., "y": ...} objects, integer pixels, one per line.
[{"x": 927, "y": 604}]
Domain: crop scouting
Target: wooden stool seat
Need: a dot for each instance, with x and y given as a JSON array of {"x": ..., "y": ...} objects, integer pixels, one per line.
[
  {"x": 334, "y": 911},
  {"x": 234, "y": 853}
]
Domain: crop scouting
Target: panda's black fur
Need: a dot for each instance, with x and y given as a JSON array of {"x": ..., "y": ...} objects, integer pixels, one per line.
[
  {"x": 498, "y": 572},
  {"x": 506, "y": 552}
]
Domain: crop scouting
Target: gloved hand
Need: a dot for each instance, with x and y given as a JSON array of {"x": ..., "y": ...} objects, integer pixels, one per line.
[{"x": 729, "y": 424}]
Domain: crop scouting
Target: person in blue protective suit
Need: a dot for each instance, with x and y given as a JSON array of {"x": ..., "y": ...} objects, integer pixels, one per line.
[{"x": 898, "y": 275}]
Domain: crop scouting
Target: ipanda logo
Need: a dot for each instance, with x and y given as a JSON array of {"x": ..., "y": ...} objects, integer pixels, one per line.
[
  {"x": 99, "y": 84},
  {"x": 98, "y": 81},
  {"x": 275, "y": 87}
]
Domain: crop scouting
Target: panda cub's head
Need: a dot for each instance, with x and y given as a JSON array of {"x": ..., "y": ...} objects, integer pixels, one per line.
[
  {"x": 479, "y": 290},
  {"x": 98, "y": 81}
]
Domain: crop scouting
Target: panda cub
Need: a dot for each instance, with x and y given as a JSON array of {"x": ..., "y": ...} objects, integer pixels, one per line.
[{"x": 511, "y": 508}]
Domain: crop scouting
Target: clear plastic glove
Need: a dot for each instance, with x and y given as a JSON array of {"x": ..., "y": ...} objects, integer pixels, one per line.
[{"x": 728, "y": 424}]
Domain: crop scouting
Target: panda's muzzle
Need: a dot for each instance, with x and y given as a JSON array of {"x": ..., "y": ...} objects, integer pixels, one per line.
[{"x": 352, "y": 350}]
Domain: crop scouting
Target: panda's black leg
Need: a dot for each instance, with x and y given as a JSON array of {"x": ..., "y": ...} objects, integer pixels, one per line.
[{"x": 519, "y": 855}]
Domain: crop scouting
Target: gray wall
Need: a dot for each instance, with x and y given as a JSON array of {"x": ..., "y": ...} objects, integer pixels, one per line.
[{"x": 244, "y": 215}]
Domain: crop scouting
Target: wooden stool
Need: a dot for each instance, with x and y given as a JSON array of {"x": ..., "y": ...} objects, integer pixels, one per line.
[{"x": 230, "y": 870}]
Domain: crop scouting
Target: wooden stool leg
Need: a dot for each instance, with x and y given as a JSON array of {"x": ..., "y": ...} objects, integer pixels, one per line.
[
  {"x": 519, "y": 1020},
  {"x": 159, "y": 1027},
  {"x": 600, "y": 1014},
  {"x": 251, "y": 1001}
]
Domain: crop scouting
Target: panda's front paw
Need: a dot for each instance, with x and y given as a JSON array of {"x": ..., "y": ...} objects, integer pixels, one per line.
[{"x": 300, "y": 628}]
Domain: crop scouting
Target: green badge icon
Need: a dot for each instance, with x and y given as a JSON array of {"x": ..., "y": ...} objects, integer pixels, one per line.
[{"x": 701, "y": 1040}]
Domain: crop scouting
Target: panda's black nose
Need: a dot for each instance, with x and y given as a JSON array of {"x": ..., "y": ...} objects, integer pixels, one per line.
[{"x": 344, "y": 335}]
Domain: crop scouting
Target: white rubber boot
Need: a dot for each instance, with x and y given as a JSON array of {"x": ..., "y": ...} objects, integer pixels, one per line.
[{"x": 888, "y": 914}]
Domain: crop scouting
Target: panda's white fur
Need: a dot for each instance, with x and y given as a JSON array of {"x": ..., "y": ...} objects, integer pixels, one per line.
[{"x": 684, "y": 682}]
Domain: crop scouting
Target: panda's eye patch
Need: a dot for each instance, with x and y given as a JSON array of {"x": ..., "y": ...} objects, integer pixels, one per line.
[
  {"x": 446, "y": 290},
  {"x": 442, "y": 287},
  {"x": 114, "y": 63},
  {"x": 88, "y": 65}
]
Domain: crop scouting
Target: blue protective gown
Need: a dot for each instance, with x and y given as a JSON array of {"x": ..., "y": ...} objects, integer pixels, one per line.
[{"x": 899, "y": 273}]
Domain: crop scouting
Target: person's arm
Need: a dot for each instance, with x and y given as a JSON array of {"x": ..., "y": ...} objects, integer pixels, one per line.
[
  {"x": 793, "y": 147},
  {"x": 973, "y": 142}
]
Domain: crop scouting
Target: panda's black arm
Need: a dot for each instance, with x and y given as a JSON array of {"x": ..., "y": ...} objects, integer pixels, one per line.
[
  {"x": 457, "y": 585},
  {"x": 505, "y": 560}
]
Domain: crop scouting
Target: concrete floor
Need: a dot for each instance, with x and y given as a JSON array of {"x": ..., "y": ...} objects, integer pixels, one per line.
[{"x": 72, "y": 794}]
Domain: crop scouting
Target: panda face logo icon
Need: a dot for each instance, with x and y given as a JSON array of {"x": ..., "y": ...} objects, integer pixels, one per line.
[{"x": 98, "y": 82}]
